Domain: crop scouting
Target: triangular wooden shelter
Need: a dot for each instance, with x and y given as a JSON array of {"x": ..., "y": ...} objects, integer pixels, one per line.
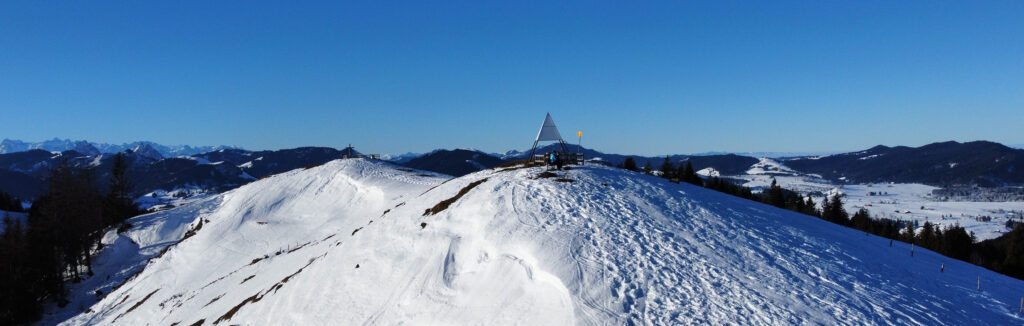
[{"x": 548, "y": 132}]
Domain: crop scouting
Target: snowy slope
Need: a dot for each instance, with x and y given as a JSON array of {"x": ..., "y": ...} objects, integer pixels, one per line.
[
  {"x": 125, "y": 254},
  {"x": 359, "y": 242}
]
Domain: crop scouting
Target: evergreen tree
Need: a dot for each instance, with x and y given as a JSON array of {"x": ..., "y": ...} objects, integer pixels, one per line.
[
  {"x": 795, "y": 202},
  {"x": 680, "y": 172},
  {"x": 647, "y": 168},
  {"x": 691, "y": 176},
  {"x": 908, "y": 233},
  {"x": 64, "y": 226},
  {"x": 629, "y": 164},
  {"x": 712, "y": 183},
  {"x": 667, "y": 169},
  {"x": 18, "y": 303},
  {"x": 926, "y": 238},
  {"x": 811, "y": 208},
  {"x": 862, "y": 221},
  {"x": 774, "y": 195},
  {"x": 957, "y": 243},
  {"x": 10, "y": 203},
  {"x": 745, "y": 193},
  {"x": 118, "y": 204},
  {"x": 1013, "y": 264},
  {"x": 832, "y": 210}
]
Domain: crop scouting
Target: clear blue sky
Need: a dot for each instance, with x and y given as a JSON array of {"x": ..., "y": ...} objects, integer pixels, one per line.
[{"x": 651, "y": 78}]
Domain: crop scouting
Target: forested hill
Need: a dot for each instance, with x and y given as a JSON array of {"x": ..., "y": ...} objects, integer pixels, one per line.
[{"x": 980, "y": 163}]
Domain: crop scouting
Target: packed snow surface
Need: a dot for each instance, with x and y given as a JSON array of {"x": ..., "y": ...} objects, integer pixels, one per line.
[{"x": 359, "y": 242}]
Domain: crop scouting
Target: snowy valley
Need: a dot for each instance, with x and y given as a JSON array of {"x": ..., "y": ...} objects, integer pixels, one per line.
[{"x": 913, "y": 202}]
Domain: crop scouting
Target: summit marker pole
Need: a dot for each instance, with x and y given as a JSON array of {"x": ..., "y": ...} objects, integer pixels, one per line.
[{"x": 579, "y": 143}]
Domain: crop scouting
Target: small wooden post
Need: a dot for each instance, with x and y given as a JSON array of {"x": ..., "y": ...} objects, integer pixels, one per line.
[
  {"x": 979, "y": 282},
  {"x": 943, "y": 268},
  {"x": 890, "y": 243},
  {"x": 911, "y": 250},
  {"x": 1021, "y": 306}
]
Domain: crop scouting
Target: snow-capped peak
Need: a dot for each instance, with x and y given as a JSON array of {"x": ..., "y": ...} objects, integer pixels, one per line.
[{"x": 145, "y": 150}]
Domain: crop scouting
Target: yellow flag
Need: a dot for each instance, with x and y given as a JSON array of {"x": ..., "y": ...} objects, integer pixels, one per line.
[{"x": 579, "y": 134}]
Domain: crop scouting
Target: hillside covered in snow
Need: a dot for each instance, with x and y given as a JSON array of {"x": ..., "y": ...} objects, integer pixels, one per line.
[{"x": 364, "y": 242}]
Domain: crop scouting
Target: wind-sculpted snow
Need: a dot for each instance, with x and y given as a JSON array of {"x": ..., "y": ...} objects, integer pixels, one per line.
[{"x": 349, "y": 243}]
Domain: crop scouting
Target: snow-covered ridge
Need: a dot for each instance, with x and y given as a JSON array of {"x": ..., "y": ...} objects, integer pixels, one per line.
[
  {"x": 708, "y": 172},
  {"x": 768, "y": 166},
  {"x": 94, "y": 148},
  {"x": 349, "y": 242},
  {"x": 163, "y": 199}
]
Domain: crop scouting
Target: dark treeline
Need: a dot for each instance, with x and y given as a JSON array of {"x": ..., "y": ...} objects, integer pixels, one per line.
[
  {"x": 1004, "y": 254},
  {"x": 58, "y": 240},
  {"x": 10, "y": 203}
]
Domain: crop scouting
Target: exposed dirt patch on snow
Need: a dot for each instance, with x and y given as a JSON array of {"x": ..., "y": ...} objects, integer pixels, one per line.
[
  {"x": 441, "y": 206},
  {"x": 137, "y": 304}
]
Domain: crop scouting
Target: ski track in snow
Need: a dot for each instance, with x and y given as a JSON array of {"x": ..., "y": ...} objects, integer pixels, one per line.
[{"x": 348, "y": 243}]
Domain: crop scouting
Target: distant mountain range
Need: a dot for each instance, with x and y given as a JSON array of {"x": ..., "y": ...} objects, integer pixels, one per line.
[
  {"x": 92, "y": 148},
  {"x": 157, "y": 167},
  {"x": 457, "y": 162},
  {"x": 767, "y": 154},
  {"x": 979, "y": 163},
  {"x": 400, "y": 158},
  {"x": 23, "y": 174}
]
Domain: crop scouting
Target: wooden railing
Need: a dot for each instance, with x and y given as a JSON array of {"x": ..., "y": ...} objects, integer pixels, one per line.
[
  {"x": 369, "y": 156},
  {"x": 567, "y": 158}
]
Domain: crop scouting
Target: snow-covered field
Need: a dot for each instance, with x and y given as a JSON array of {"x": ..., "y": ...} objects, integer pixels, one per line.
[
  {"x": 895, "y": 201},
  {"x": 162, "y": 199},
  {"x": 914, "y": 202},
  {"x": 358, "y": 242},
  {"x": 761, "y": 174}
]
